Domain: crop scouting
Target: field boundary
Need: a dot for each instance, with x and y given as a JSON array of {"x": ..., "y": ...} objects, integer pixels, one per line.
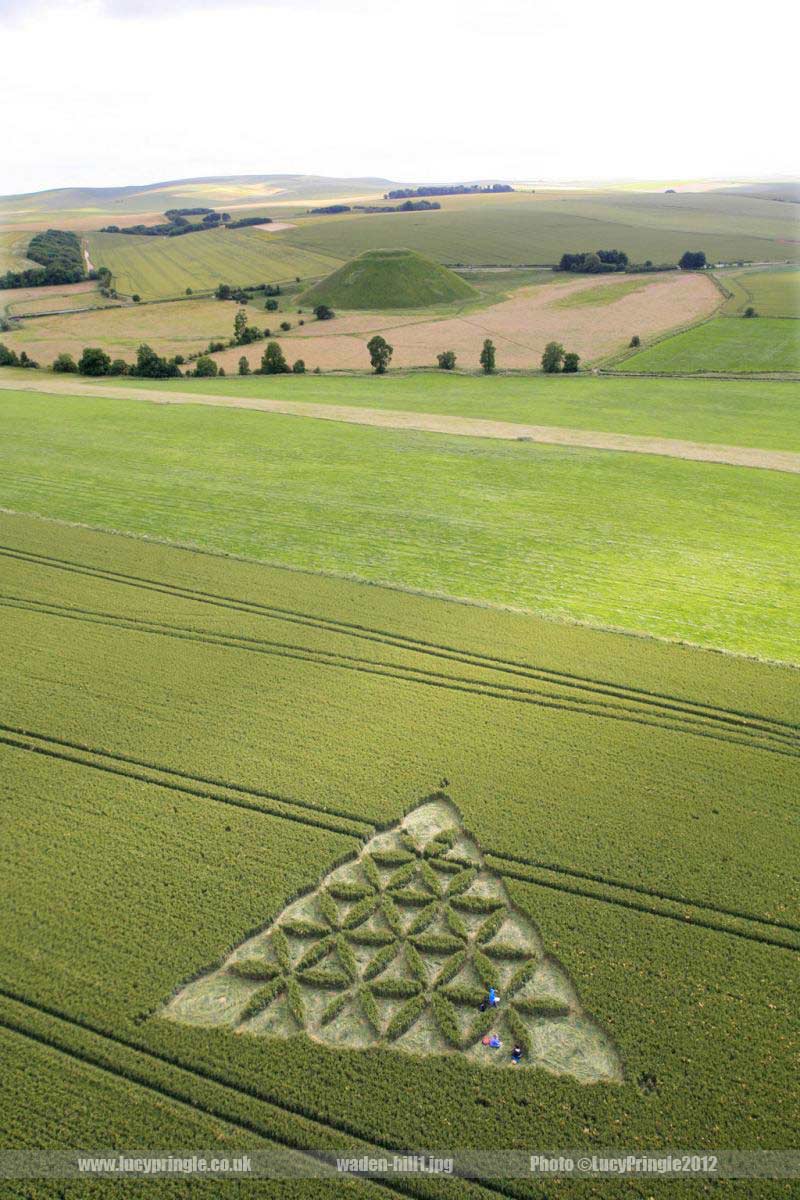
[{"x": 739, "y": 456}]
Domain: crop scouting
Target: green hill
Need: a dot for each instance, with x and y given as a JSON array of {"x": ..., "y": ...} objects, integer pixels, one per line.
[{"x": 389, "y": 279}]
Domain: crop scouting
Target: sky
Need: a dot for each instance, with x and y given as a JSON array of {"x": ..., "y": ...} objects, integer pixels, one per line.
[{"x": 112, "y": 92}]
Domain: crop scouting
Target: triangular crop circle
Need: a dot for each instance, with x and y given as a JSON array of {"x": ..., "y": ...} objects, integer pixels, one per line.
[{"x": 399, "y": 947}]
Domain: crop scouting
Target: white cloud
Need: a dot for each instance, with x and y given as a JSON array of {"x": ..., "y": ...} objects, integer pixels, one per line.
[{"x": 106, "y": 92}]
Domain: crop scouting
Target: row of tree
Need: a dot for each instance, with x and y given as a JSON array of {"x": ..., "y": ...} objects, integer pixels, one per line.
[
  {"x": 600, "y": 262},
  {"x": 554, "y": 358},
  {"x": 177, "y": 223},
  {"x": 456, "y": 189}
]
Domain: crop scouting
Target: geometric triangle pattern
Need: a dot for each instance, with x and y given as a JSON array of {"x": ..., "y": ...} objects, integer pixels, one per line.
[{"x": 400, "y": 947}]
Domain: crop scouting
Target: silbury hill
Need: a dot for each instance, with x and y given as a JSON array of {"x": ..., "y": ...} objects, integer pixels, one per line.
[{"x": 381, "y": 279}]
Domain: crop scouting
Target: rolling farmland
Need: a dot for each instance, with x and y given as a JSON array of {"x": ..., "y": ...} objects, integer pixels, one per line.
[
  {"x": 711, "y": 548},
  {"x": 528, "y": 228},
  {"x": 164, "y": 267},
  {"x": 684, "y": 956},
  {"x": 333, "y": 701}
]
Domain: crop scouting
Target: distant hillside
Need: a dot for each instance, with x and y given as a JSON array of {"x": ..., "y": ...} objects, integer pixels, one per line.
[
  {"x": 215, "y": 190},
  {"x": 389, "y": 279}
]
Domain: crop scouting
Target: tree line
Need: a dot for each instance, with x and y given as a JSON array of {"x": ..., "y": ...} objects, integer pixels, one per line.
[
  {"x": 599, "y": 262},
  {"x": 177, "y": 223},
  {"x": 456, "y": 189},
  {"x": 60, "y": 255}
]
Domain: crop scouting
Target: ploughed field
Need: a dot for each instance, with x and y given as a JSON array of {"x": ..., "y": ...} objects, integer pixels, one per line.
[{"x": 598, "y": 820}]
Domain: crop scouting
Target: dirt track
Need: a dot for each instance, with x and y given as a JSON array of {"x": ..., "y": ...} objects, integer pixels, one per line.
[{"x": 737, "y": 456}]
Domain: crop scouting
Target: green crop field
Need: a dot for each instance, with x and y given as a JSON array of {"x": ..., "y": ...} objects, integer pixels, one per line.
[
  {"x": 686, "y": 550},
  {"x": 732, "y": 413},
  {"x": 526, "y": 228},
  {"x": 164, "y": 267},
  {"x": 156, "y": 717},
  {"x": 773, "y": 292},
  {"x": 732, "y": 345},
  {"x": 312, "y": 731}
]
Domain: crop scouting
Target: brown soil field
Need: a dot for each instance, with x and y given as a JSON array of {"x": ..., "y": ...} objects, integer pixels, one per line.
[
  {"x": 178, "y": 327},
  {"x": 739, "y": 456},
  {"x": 520, "y": 327}
]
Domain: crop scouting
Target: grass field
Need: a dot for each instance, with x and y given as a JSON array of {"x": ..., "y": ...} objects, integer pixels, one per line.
[
  {"x": 164, "y": 267},
  {"x": 684, "y": 550},
  {"x": 57, "y": 298},
  {"x": 189, "y": 807},
  {"x": 773, "y": 293},
  {"x": 735, "y": 412},
  {"x": 606, "y": 293},
  {"x": 526, "y": 228},
  {"x": 182, "y": 327},
  {"x": 725, "y": 345}
]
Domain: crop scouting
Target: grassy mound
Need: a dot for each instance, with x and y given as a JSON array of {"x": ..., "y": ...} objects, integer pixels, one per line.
[{"x": 382, "y": 279}]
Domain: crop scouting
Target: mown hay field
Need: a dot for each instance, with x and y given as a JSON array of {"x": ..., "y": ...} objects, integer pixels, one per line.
[
  {"x": 733, "y": 412},
  {"x": 734, "y": 345},
  {"x": 702, "y": 553},
  {"x": 539, "y": 228},
  {"x": 181, "y": 327},
  {"x": 156, "y": 268},
  {"x": 520, "y": 326},
  {"x": 633, "y": 797}
]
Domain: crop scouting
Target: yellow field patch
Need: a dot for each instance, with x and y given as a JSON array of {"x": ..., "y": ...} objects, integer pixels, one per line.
[{"x": 179, "y": 327}]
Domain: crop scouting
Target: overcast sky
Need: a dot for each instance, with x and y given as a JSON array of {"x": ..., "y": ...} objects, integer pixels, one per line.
[{"x": 108, "y": 92}]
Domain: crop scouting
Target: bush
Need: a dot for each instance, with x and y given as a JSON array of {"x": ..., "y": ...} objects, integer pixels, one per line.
[
  {"x": 446, "y": 360},
  {"x": 119, "y": 367},
  {"x": 323, "y": 313},
  {"x": 188, "y": 291},
  {"x": 635, "y": 340},
  {"x": 571, "y": 361},
  {"x": 273, "y": 361},
  {"x": 552, "y": 358},
  {"x": 488, "y": 357},
  {"x": 271, "y": 305},
  {"x": 8, "y": 358},
  {"x": 244, "y": 366},
  {"x": 299, "y": 367},
  {"x": 24, "y": 361},
  {"x": 65, "y": 364},
  {"x": 692, "y": 260},
  {"x": 206, "y": 366},
  {"x": 749, "y": 311},
  {"x": 136, "y": 298},
  {"x": 94, "y": 361},
  {"x": 285, "y": 326}
]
